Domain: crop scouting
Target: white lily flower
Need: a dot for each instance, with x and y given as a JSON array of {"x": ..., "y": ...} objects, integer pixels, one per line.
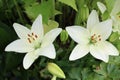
[
  {"x": 114, "y": 14},
  {"x": 92, "y": 39},
  {"x": 34, "y": 42}
]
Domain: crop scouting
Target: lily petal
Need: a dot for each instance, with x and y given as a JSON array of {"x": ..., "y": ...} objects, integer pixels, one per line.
[
  {"x": 103, "y": 28},
  {"x": 50, "y": 36},
  {"x": 79, "y": 51},
  {"x": 99, "y": 52},
  {"x": 116, "y": 8},
  {"x": 92, "y": 20},
  {"x": 101, "y": 6},
  {"x": 29, "y": 59},
  {"x": 37, "y": 27},
  {"x": 19, "y": 45},
  {"x": 48, "y": 51},
  {"x": 21, "y": 30},
  {"x": 78, "y": 34},
  {"x": 110, "y": 49}
]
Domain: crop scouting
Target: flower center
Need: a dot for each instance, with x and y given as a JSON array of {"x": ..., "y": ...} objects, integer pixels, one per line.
[
  {"x": 118, "y": 16},
  {"x": 32, "y": 38},
  {"x": 95, "y": 38}
]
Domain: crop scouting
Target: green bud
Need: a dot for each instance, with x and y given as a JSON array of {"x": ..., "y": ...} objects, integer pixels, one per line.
[
  {"x": 63, "y": 36},
  {"x": 114, "y": 36},
  {"x": 50, "y": 25},
  {"x": 84, "y": 12},
  {"x": 105, "y": 15},
  {"x": 55, "y": 70}
]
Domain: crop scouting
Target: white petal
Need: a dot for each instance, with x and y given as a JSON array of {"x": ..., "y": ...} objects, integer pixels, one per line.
[
  {"x": 79, "y": 51},
  {"x": 78, "y": 34},
  {"x": 92, "y": 20},
  {"x": 21, "y": 31},
  {"x": 116, "y": 8},
  {"x": 101, "y": 6},
  {"x": 48, "y": 51},
  {"x": 98, "y": 51},
  {"x": 50, "y": 36},
  {"x": 37, "y": 26},
  {"x": 20, "y": 45},
  {"x": 110, "y": 49},
  {"x": 29, "y": 59},
  {"x": 103, "y": 28}
]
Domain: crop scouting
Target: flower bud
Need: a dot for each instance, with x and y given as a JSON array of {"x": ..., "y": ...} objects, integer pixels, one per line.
[
  {"x": 84, "y": 12},
  {"x": 55, "y": 70},
  {"x": 63, "y": 36}
]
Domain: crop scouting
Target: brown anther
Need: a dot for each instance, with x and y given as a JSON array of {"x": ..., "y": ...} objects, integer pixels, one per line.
[
  {"x": 29, "y": 35},
  {"x": 29, "y": 40},
  {"x": 92, "y": 37},
  {"x": 98, "y": 35},
  {"x": 33, "y": 38},
  {"x": 119, "y": 16},
  {"x": 36, "y": 36},
  {"x": 32, "y": 34},
  {"x": 100, "y": 39},
  {"x": 94, "y": 34}
]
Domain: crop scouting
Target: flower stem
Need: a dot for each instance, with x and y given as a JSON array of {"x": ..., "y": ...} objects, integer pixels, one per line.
[{"x": 54, "y": 78}]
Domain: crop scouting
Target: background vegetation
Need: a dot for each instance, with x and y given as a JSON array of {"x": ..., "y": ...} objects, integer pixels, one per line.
[{"x": 66, "y": 13}]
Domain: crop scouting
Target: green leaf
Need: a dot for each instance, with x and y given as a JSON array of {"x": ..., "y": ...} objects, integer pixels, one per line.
[
  {"x": 13, "y": 60},
  {"x": 75, "y": 73},
  {"x": 110, "y": 4},
  {"x": 113, "y": 71},
  {"x": 50, "y": 25},
  {"x": 71, "y": 3},
  {"x": 5, "y": 35},
  {"x": 45, "y": 9},
  {"x": 114, "y": 36},
  {"x": 102, "y": 69}
]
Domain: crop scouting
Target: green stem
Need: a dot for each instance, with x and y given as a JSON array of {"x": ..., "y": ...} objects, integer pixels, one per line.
[
  {"x": 78, "y": 17},
  {"x": 18, "y": 10},
  {"x": 54, "y": 78},
  {"x": 53, "y": 8}
]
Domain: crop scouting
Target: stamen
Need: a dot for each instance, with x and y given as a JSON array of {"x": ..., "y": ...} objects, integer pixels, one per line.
[
  {"x": 99, "y": 39},
  {"x": 36, "y": 36},
  {"x": 98, "y": 35},
  {"x": 94, "y": 34},
  {"x": 33, "y": 38},
  {"x": 32, "y": 34},
  {"x": 29, "y": 40},
  {"x": 29, "y": 35}
]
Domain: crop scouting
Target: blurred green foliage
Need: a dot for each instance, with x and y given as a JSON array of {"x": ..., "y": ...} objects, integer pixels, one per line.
[{"x": 66, "y": 13}]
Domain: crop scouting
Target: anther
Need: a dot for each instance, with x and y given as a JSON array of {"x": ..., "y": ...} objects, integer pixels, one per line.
[
  {"x": 94, "y": 34},
  {"x": 36, "y": 36},
  {"x": 29, "y": 40},
  {"x": 33, "y": 38},
  {"x": 100, "y": 39},
  {"x": 29, "y": 35},
  {"x": 32, "y": 34},
  {"x": 98, "y": 35}
]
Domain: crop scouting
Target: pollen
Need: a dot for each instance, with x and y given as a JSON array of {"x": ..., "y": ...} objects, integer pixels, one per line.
[
  {"x": 36, "y": 36},
  {"x": 95, "y": 38},
  {"x": 32, "y": 37},
  {"x": 29, "y": 40}
]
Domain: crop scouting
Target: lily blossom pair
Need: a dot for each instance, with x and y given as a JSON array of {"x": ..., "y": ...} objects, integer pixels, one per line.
[
  {"x": 34, "y": 42},
  {"x": 93, "y": 39}
]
